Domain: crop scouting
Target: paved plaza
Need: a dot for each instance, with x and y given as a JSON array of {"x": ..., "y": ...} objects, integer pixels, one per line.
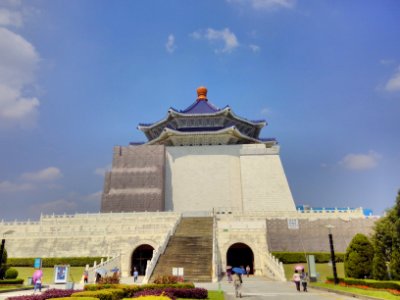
[
  {"x": 253, "y": 288},
  {"x": 261, "y": 288}
]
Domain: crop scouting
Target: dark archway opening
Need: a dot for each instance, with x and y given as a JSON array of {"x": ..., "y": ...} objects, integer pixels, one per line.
[
  {"x": 240, "y": 254},
  {"x": 140, "y": 256}
]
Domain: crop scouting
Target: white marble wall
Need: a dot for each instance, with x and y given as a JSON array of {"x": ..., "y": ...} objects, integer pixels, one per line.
[{"x": 240, "y": 177}]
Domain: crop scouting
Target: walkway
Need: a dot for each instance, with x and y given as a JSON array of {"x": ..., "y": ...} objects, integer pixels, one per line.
[
  {"x": 257, "y": 288},
  {"x": 254, "y": 288}
]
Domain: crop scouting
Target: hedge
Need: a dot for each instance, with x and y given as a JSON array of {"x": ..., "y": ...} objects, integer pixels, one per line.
[
  {"x": 377, "y": 284},
  {"x": 131, "y": 289},
  {"x": 80, "y": 298},
  {"x": 299, "y": 257},
  {"x": 12, "y": 281},
  {"x": 150, "y": 298},
  {"x": 52, "y": 261},
  {"x": 49, "y": 294},
  {"x": 108, "y": 294}
]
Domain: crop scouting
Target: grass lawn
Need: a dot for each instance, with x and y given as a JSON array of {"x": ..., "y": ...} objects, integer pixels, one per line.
[
  {"x": 212, "y": 295},
  {"x": 371, "y": 293},
  {"x": 14, "y": 287},
  {"x": 75, "y": 274},
  {"x": 324, "y": 270}
]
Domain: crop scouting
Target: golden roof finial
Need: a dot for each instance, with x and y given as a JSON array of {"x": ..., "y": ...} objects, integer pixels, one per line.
[{"x": 201, "y": 93}]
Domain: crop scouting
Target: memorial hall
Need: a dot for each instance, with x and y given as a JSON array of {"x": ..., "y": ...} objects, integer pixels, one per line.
[{"x": 203, "y": 192}]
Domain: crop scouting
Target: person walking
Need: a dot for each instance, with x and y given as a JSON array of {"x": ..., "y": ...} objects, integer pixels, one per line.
[
  {"x": 85, "y": 276},
  {"x": 304, "y": 280},
  {"x": 296, "y": 279},
  {"x": 237, "y": 282},
  {"x": 248, "y": 270},
  {"x": 37, "y": 285},
  {"x": 229, "y": 273},
  {"x": 135, "y": 274}
]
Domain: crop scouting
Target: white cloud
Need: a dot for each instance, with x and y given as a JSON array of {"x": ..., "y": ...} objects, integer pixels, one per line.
[
  {"x": 393, "y": 84},
  {"x": 254, "y": 48},
  {"x": 48, "y": 174},
  {"x": 7, "y": 186},
  {"x": 18, "y": 63},
  {"x": 266, "y": 4},
  {"x": 94, "y": 197},
  {"x": 265, "y": 111},
  {"x": 360, "y": 162},
  {"x": 170, "y": 45},
  {"x": 102, "y": 170},
  {"x": 58, "y": 207},
  {"x": 386, "y": 62},
  {"x": 228, "y": 38},
  {"x": 10, "y": 18}
]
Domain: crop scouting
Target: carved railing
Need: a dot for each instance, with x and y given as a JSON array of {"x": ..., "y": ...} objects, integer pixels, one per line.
[
  {"x": 274, "y": 268},
  {"x": 108, "y": 265}
]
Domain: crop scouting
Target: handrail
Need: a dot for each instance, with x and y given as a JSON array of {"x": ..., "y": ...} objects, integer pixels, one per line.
[
  {"x": 275, "y": 267},
  {"x": 108, "y": 265}
]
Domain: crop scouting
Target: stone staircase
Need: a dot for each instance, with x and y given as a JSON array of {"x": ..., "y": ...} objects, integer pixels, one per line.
[{"x": 190, "y": 248}]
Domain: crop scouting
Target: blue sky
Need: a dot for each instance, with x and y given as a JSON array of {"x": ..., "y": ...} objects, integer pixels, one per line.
[{"x": 76, "y": 77}]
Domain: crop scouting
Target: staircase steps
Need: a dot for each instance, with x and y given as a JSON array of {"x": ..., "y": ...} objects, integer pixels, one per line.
[{"x": 189, "y": 248}]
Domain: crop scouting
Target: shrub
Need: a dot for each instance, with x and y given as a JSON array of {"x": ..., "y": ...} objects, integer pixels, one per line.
[
  {"x": 114, "y": 279},
  {"x": 299, "y": 257},
  {"x": 11, "y": 273},
  {"x": 151, "y": 298},
  {"x": 148, "y": 293},
  {"x": 80, "y": 298},
  {"x": 161, "y": 279},
  {"x": 358, "y": 257},
  {"x": 106, "y": 294},
  {"x": 12, "y": 281},
  {"x": 190, "y": 293},
  {"x": 49, "y": 294},
  {"x": 377, "y": 284},
  {"x": 52, "y": 261},
  {"x": 194, "y": 293}
]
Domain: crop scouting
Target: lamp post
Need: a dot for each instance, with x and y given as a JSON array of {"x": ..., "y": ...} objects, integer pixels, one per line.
[
  {"x": 335, "y": 277},
  {"x": 3, "y": 245}
]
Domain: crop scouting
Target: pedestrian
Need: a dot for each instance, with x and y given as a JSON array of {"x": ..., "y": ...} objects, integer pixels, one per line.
[
  {"x": 296, "y": 279},
  {"x": 135, "y": 275},
  {"x": 304, "y": 280},
  {"x": 229, "y": 273},
  {"x": 85, "y": 276},
  {"x": 98, "y": 278},
  {"x": 237, "y": 282},
  {"x": 248, "y": 270},
  {"x": 38, "y": 284}
]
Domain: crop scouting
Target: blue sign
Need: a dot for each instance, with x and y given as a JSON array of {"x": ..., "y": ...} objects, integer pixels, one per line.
[{"x": 37, "y": 263}]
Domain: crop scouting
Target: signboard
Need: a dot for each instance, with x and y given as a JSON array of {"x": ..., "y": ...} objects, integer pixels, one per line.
[
  {"x": 37, "y": 264},
  {"x": 177, "y": 271},
  {"x": 61, "y": 274},
  {"x": 293, "y": 223},
  {"x": 312, "y": 268}
]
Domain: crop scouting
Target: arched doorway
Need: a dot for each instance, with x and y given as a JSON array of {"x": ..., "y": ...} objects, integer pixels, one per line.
[
  {"x": 140, "y": 256},
  {"x": 240, "y": 254}
]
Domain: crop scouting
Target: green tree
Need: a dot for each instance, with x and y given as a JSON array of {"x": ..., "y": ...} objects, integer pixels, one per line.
[
  {"x": 395, "y": 255},
  {"x": 386, "y": 242},
  {"x": 358, "y": 257}
]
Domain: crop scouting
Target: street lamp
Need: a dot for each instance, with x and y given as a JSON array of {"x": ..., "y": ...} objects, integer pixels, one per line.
[
  {"x": 335, "y": 277},
  {"x": 3, "y": 243}
]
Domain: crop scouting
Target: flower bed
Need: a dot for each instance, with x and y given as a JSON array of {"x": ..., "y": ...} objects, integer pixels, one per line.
[
  {"x": 368, "y": 284},
  {"x": 173, "y": 293},
  {"x": 53, "y": 293}
]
